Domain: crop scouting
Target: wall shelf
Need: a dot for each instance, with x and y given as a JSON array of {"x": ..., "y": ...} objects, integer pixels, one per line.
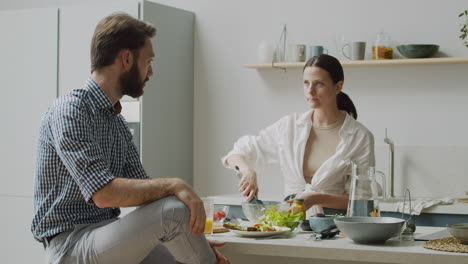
[{"x": 429, "y": 61}]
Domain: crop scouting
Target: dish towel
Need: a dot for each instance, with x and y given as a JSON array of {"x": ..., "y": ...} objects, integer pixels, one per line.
[{"x": 419, "y": 204}]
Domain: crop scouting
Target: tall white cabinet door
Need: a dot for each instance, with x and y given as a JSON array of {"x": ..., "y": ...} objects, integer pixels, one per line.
[
  {"x": 167, "y": 105},
  {"x": 77, "y": 24},
  {"x": 28, "y": 66}
]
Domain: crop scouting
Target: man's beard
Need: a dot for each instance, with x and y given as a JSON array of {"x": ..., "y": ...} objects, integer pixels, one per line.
[{"x": 131, "y": 84}]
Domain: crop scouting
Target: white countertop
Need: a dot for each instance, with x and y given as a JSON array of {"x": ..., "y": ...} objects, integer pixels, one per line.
[
  {"x": 340, "y": 249},
  {"x": 455, "y": 208}
]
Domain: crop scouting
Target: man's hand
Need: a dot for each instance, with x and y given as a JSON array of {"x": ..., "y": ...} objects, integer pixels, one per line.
[
  {"x": 219, "y": 257},
  {"x": 197, "y": 211},
  {"x": 248, "y": 184}
]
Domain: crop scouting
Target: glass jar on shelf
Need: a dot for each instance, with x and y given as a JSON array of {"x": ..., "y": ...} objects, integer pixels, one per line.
[{"x": 382, "y": 49}]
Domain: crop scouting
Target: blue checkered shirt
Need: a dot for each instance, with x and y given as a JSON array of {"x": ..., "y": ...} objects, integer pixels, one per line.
[{"x": 83, "y": 144}]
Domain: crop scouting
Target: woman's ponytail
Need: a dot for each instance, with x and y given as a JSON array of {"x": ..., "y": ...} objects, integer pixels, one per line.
[{"x": 346, "y": 104}]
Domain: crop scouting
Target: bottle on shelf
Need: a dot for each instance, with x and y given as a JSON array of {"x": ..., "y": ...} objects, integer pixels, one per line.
[{"x": 382, "y": 49}]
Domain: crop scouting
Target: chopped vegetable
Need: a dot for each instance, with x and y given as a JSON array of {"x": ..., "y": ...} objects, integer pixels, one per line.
[{"x": 273, "y": 217}]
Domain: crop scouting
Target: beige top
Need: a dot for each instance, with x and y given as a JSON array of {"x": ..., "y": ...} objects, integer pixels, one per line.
[{"x": 321, "y": 145}]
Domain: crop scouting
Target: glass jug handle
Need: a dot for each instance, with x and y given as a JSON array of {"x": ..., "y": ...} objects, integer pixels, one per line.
[{"x": 384, "y": 188}]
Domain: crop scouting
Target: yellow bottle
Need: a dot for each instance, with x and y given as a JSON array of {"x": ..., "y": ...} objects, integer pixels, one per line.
[{"x": 298, "y": 208}]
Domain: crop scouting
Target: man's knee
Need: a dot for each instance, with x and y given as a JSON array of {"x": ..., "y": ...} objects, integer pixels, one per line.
[{"x": 174, "y": 211}]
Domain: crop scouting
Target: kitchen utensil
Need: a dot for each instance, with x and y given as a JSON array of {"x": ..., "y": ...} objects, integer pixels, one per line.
[
  {"x": 459, "y": 231},
  {"x": 254, "y": 211},
  {"x": 254, "y": 199},
  {"x": 365, "y": 191},
  {"x": 369, "y": 230},
  {"x": 330, "y": 232},
  {"x": 418, "y": 50}
]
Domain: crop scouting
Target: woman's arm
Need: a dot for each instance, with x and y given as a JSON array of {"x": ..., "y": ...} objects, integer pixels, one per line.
[
  {"x": 329, "y": 200},
  {"x": 248, "y": 183}
]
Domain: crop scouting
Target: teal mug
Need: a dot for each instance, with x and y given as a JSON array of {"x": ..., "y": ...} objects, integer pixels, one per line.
[{"x": 317, "y": 51}]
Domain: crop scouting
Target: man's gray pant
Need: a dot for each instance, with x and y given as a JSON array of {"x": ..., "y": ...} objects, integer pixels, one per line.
[{"x": 158, "y": 232}]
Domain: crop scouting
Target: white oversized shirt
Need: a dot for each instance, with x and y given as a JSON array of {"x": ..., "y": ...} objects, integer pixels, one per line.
[{"x": 284, "y": 142}]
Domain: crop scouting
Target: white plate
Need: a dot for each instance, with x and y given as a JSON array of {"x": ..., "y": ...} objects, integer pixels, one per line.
[{"x": 281, "y": 231}]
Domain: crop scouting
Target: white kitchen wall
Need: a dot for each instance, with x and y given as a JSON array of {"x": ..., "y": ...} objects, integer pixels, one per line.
[{"x": 423, "y": 107}]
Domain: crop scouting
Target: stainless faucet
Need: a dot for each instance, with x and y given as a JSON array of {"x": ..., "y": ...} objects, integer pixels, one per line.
[{"x": 391, "y": 164}]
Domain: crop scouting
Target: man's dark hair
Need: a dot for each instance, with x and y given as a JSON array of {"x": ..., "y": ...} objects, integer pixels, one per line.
[{"x": 117, "y": 32}]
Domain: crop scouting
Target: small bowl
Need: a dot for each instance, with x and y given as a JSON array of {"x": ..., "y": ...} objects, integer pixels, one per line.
[
  {"x": 369, "y": 230},
  {"x": 459, "y": 231},
  {"x": 415, "y": 51},
  {"x": 319, "y": 224}
]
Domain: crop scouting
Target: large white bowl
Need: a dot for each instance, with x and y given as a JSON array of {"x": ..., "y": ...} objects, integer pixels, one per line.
[
  {"x": 369, "y": 230},
  {"x": 459, "y": 231}
]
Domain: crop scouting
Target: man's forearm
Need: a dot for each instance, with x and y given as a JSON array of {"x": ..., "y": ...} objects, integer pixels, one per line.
[{"x": 123, "y": 192}]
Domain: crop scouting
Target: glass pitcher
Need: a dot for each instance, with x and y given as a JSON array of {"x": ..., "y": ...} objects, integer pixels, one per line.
[{"x": 365, "y": 192}]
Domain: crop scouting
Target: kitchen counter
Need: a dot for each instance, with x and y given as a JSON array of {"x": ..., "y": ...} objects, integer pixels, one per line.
[{"x": 300, "y": 249}]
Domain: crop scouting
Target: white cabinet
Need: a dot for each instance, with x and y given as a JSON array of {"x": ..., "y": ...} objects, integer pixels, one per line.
[
  {"x": 166, "y": 121},
  {"x": 28, "y": 76},
  {"x": 167, "y": 105},
  {"x": 28, "y": 67}
]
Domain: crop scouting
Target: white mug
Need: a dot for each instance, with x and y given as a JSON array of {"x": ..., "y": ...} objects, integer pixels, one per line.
[{"x": 356, "y": 50}]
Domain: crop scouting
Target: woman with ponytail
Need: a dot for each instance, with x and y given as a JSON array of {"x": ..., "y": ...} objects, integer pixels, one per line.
[{"x": 314, "y": 149}]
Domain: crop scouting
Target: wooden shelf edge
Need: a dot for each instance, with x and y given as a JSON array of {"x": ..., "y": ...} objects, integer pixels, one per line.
[{"x": 428, "y": 61}]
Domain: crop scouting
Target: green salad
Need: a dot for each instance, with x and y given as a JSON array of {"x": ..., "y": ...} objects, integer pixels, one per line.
[{"x": 273, "y": 217}]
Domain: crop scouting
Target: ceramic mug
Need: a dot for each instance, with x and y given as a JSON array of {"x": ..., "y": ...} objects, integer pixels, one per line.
[
  {"x": 317, "y": 51},
  {"x": 356, "y": 50},
  {"x": 298, "y": 53}
]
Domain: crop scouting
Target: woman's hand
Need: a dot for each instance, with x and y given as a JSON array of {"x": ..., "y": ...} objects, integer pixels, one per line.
[
  {"x": 310, "y": 199},
  {"x": 248, "y": 184},
  {"x": 330, "y": 200}
]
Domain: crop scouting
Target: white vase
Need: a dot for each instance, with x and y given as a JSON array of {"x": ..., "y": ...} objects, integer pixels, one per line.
[{"x": 265, "y": 52}]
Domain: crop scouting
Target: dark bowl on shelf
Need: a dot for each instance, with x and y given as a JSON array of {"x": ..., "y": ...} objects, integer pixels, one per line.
[{"x": 414, "y": 51}]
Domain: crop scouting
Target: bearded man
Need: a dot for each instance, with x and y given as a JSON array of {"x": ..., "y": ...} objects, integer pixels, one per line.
[{"x": 88, "y": 167}]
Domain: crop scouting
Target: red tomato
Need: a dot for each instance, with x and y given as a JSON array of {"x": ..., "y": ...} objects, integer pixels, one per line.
[
  {"x": 222, "y": 214},
  {"x": 216, "y": 216}
]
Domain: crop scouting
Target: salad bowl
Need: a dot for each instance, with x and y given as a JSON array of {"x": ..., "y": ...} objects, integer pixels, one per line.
[{"x": 271, "y": 213}]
